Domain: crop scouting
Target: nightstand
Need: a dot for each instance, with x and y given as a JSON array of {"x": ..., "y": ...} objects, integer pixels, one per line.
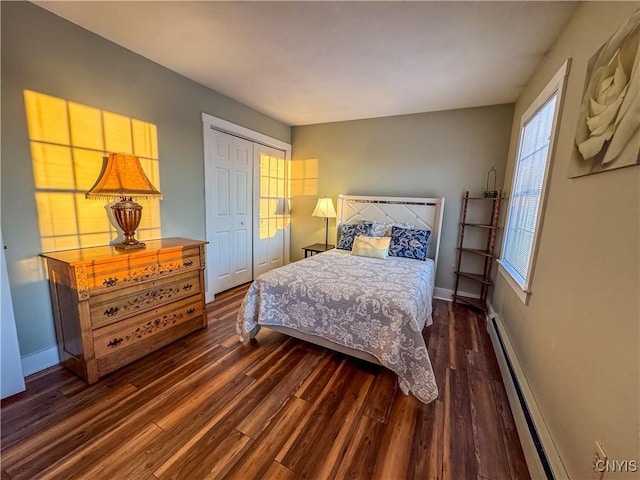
[{"x": 316, "y": 248}]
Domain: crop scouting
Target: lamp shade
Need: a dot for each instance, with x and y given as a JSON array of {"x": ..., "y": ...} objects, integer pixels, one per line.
[
  {"x": 324, "y": 208},
  {"x": 282, "y": 207},
  {"x": 122, "y": 176}
]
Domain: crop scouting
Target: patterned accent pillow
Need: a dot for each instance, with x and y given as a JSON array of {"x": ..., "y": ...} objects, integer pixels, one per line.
[
  {"x": 378, "y": 229},
  {"x": 376, "y": 247},
  {"x": 383, "y": 229},
  {"x": 390, "y": 226},
  {"x": 348, "y": 234},
  {"x": 409, "y": 243}
]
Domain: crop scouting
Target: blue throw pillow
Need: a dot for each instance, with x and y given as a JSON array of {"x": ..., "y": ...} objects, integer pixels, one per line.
[
  {"x": 409, "y": 243},
  {"x": 348, "y": 234}
]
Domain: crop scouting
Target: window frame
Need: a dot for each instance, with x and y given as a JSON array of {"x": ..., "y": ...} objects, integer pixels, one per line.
[{"x": 555, "y": 86}]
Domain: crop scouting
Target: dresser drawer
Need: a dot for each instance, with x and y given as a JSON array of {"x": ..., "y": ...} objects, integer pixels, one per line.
[
  {"x": 130, "y": 270},
  {"x": 121, "y": 335},
  {"x": 112, "y": 306}
]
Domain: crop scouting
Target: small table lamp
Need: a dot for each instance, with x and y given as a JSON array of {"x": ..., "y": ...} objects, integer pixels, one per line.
[
  {"x": 122, "y": 178},
  {"x": 324, "y": 208}
]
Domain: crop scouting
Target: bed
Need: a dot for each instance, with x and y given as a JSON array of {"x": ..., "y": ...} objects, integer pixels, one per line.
[{"x": 370, "y": 308}]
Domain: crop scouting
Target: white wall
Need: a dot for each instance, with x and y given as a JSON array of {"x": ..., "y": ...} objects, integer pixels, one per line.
[{"x": 578, "y": 340}]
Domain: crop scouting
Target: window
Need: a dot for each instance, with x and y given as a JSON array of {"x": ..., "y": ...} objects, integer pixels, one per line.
[{"x": 526, "y": 203}]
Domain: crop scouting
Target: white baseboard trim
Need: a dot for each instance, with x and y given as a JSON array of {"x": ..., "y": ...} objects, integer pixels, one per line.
[
  {"x": 41, "y": 360},
  {"x": 540, "y": 451},
  {"x": 446, "y": 293},
  {"x": 442, "y": 293},
  {"x": 209, "y": 297}
]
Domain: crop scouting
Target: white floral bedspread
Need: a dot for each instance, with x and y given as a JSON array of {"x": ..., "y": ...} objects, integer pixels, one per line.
[{"x": 368, "y": 304}]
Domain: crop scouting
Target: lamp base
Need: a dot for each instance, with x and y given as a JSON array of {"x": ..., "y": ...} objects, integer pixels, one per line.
[
  {"x": 128, "y": 214},
  {"x": 130, "y": 246}
]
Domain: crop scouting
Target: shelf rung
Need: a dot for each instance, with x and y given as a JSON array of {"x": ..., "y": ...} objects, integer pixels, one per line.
[
  {"x": 475, "y": 276},
  {"x": 481, "y": 225},
  {"x": 477, "y": 251},
  {"x": 485, "y": 198}
]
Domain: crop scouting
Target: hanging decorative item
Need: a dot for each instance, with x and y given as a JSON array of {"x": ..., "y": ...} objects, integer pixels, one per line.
[
  {"x": 607, "y": 133},
  {"x": 491, "y": 192}
]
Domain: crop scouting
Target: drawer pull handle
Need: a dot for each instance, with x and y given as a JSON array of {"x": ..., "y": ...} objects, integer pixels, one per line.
[
  {"x": 187, "y": 287},
  {"x": 111, "y": 311},
  {"x": 188, "y": 263},
  {"x": 190, "y": 311},
  {"x": 115, "y": 342},
  {"x": 110, "y": 282}
]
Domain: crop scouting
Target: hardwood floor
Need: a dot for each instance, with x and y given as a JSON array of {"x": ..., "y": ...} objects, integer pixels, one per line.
[{"x": 208, "y": 406}]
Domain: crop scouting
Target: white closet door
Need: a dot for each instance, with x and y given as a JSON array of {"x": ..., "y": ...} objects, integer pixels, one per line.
[
  {"x": 269, "y": 233},
  {"x": 216, "y": 255},
  {"x": 232, "y": 211}
]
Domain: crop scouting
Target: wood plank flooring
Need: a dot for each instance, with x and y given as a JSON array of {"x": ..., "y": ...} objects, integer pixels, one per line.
[{"x": 210, "y": 407}]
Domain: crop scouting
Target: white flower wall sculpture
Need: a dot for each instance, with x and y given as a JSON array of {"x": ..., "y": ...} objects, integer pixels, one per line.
[{"x": 608, "y": 130}]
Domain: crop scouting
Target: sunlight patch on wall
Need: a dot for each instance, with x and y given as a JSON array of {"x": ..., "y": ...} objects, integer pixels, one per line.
[
  {"x": 304, "y": 177},
  {"x": 68, "y": 141},
  {"x": 272, "y": 188}
]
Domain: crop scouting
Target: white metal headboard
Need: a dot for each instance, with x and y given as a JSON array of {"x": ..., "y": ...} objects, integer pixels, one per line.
[{"x": 422, "y": 213}]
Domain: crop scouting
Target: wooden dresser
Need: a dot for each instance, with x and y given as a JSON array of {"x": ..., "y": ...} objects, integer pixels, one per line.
[{"x": 114, "y": 306}]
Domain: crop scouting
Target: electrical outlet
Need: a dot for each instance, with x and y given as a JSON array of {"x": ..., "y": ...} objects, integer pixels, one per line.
[{"x": 599, "y": 460}]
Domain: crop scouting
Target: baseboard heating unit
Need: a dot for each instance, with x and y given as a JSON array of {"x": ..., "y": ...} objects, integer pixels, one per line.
[{"x": 539, "y": 449}]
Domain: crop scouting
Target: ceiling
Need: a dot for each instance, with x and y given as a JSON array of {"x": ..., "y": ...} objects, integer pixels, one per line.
[{"x": 315, "y": 62}]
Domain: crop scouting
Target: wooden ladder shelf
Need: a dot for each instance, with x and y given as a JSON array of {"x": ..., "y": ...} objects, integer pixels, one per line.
[{"x": 486, "y": 254}]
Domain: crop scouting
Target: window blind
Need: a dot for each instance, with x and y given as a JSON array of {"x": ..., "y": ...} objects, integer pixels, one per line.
[{"x": 526, "y": 194}]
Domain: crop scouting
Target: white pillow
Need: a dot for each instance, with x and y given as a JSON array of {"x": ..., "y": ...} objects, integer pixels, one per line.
[{"x": 375, "y": 247}]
